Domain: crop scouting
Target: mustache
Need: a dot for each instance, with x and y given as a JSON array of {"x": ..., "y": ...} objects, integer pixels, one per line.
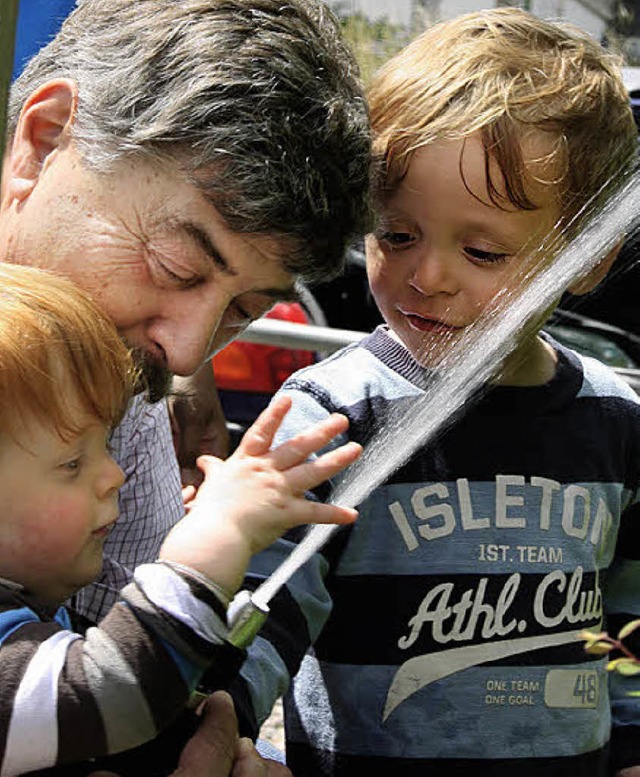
[{"x": 152, "y": 377}]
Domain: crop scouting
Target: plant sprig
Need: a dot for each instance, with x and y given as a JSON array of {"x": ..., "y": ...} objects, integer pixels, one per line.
[{"x": 600, "y": 644}]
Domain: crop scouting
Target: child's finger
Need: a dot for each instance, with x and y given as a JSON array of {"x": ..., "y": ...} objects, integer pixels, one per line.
[
  {"x": 309, "y": 512},
  {"x": 258, "y": 438},
  {"x": 188, "y": 495},
  {"x": 188, "y": 492},
  {"x": 311, "y": 473},
  {"x": 299, "y": 448},
  {"x": 206, "y": 462}
]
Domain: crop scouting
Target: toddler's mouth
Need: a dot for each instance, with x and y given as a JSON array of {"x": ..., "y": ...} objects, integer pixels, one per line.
[
  {"x": 104, "y": 531},
  {"x": 425, "y": 324}
]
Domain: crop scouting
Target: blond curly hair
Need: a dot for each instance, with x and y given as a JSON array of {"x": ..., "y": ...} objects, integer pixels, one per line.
[{"x": 503, "y": 73}]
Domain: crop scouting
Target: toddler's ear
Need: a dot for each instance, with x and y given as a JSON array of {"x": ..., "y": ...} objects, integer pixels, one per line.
[{"x": 595, "y": 276}]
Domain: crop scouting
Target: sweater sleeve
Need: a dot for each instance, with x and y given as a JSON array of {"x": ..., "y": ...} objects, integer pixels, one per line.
[{"x": 67, "y": 698}]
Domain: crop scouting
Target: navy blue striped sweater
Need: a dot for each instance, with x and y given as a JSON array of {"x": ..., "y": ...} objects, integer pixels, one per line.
[{"x": 438, "y": 635}]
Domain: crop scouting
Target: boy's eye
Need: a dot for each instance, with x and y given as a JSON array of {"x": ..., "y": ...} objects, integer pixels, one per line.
[
  {"x": 73, "y": 465},
  {"x": 485, "y": 257},
  {"x": 396, "y": 239}
]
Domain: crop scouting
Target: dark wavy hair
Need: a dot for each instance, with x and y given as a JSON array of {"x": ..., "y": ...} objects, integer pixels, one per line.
[{"x": 258, "y": 101}]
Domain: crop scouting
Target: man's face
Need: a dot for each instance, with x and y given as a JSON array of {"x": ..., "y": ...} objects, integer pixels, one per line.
[{"x": 152, "y": 251}]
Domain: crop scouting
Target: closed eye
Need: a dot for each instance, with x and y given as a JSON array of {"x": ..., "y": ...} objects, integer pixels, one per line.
[
  {"x": 241, "y": 316},
  {"x": 249, "y": 307},
  {"x": 186, "y": 281},
  {"x": 485, "y": 257},
  {"x": 238, "y": 317}
]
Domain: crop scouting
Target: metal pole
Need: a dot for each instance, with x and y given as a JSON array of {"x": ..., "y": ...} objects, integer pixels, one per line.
[
  {"x": 8, "y": 19},
  {"x": 286, "y": 334}
]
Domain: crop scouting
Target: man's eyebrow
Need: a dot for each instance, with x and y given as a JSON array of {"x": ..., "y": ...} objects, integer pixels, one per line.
[
  {"x": 204, "y": 241},
  {"x": 285, "y": 294}
]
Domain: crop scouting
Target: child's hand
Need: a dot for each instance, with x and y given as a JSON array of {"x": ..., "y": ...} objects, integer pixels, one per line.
[{"x": 250, "y": 499}]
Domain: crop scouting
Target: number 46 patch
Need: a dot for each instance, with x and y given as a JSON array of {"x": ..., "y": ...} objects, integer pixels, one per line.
[{"x": 572, "y": 688}]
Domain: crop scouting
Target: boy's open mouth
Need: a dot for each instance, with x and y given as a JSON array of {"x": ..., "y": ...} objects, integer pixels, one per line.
[{"x": 423, "y": 324}]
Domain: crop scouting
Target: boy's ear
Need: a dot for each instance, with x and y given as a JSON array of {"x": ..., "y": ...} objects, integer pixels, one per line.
[
  {"x": 43, "y": 127},
  {"x": 595, "y": 276}
]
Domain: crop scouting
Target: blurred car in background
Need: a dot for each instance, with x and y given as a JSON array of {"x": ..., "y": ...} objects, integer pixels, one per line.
[
  {"x": 611, "y": 345},
  {"x": 631, "y": 78},
  {"x": 248, "y": 374}
]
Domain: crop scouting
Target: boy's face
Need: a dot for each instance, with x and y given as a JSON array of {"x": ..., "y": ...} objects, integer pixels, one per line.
[
  {"x": 441, "y": 254},
  {"x": 59, "y": 500}
]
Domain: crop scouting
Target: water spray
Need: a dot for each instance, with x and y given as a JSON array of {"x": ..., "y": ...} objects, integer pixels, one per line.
[{"x": 480, "y": 350}]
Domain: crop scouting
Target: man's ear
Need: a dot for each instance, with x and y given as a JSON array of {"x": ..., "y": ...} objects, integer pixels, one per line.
[
  {"x": 43, "y": 127},
  {"x": 595, "y": 276}
]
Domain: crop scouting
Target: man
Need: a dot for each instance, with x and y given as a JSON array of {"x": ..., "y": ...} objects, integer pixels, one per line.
[{"x": 186, "y": 163}]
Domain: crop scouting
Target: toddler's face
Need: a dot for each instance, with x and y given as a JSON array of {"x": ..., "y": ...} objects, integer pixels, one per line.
[
  {"x": 59, "y": 500},
  {"x": 443, "y": 250}
]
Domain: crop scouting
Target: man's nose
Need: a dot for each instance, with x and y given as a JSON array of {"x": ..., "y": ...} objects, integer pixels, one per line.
[
  {"x": 435, "y": 272},
  {"x": 187, "y": 336}
]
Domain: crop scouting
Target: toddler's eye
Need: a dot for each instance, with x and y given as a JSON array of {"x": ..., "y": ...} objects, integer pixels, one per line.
[
  {"x": 396, "y": 239},
  {"x": 485, "y": 257},
  {"x": 73, "y": 465}
]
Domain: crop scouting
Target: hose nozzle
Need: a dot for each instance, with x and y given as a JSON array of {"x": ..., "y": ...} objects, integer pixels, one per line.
[{"x": 245, "y": 617}]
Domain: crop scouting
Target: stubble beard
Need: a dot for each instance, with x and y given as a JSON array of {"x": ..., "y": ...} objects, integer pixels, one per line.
[{"x": 152, "y": 378}]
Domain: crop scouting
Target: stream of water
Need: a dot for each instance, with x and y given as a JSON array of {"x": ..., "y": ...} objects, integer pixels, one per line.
[{"x": 471, "y": 362}]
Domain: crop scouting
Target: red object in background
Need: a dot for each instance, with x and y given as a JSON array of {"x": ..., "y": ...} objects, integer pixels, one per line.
[{"x": 258, "y": 368}]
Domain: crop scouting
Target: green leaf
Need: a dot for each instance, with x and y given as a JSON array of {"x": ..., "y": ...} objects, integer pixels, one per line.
[
  {"x": 598, "y": 647},
  {"x": 592, "y": 636},
  {"x": 627, "y": 667},
  {"x": 629, "y": 628}
]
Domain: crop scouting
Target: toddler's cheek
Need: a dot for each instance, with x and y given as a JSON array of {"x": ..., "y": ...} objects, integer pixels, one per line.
[{"x": 54, "y": 536}]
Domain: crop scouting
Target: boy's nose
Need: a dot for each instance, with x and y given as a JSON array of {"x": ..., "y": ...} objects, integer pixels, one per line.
[
  {"x": 434, "y": 273},
  {"x": 111, "y": 477}
]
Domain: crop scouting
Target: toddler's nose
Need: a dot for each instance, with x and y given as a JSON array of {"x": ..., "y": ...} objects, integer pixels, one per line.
[{"x": 434, "y": 273}]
